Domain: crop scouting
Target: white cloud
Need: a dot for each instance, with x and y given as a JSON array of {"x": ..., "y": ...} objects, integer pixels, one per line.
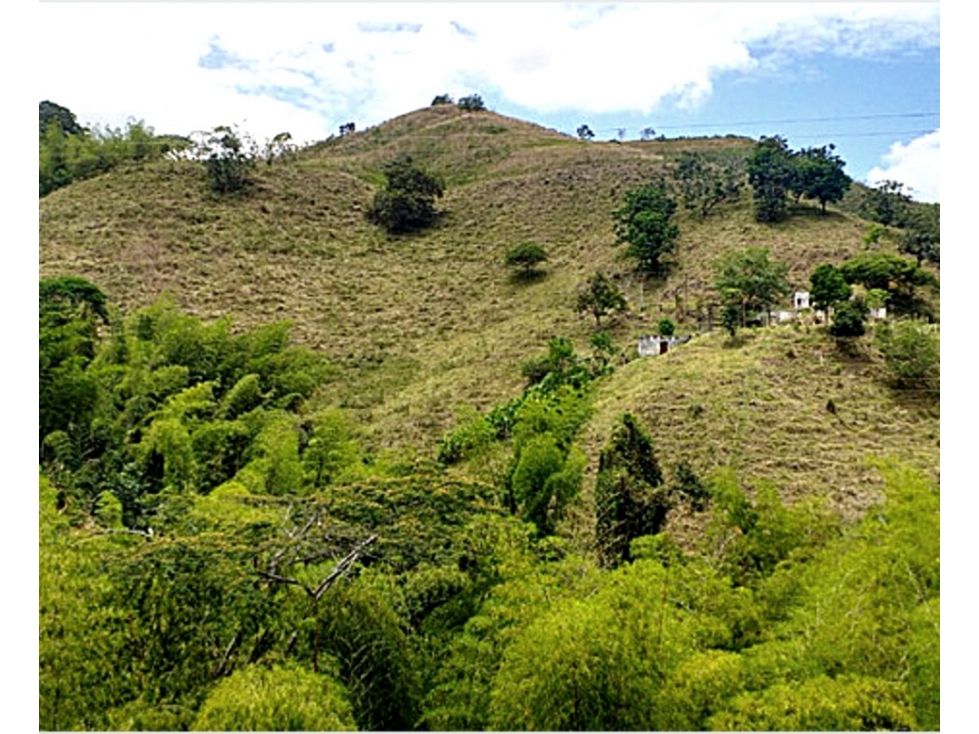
[
  {"x": 916, "y": 165},
  {"x": 308, "y": 67}
]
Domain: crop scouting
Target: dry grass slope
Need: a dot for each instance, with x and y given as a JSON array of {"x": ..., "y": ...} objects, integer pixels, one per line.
[{"x": 422, "y": 324}]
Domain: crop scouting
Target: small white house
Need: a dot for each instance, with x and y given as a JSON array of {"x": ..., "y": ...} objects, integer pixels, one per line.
[
  {"x": 800, "y": 300},
  {"x": 650, "y": 346}
]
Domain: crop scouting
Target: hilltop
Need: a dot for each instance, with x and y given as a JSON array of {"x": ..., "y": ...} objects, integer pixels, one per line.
[{"x": 424, "y": 325}]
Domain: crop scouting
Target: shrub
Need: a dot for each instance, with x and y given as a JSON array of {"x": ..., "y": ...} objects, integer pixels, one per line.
[
  {"x": 600, "y": 296},
  {"x": 526, "y": 256},
  {"x": 471, "y": 103},
  {"x": 230, "y": 160},
  {"x": 407, "y": 203},
  {"x": 629, "y": 499},
  {"x": 848, "y": 319},
  {"x": 277, "y": 699},
  {"x": 666, "y": 327},
  {"x": 912, "y": 354}
]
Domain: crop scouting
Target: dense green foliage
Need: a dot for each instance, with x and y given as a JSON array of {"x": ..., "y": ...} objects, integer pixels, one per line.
[
  {"x": 828, "y": 287},
  {"x": 224, "y": 546},
  {"x": 899, "y": 278},
  {"x": 750, "y": 281},
  {"x": 849, "y": 318},
  {"x": 771, "y": 173},
  {"x": 214, "y": 554},
  {"x": 819, "y": 175},
  {"x": 276, "y": 699},
  {"x": 600, "y": 296},
  {"x": 68, "y": 152},
  {"x": 643, "y": 222},
  {"x": 407, "y": 202},
  {"x": 229, "y": 158},
  {"x": 630, "y": 500},
  {"x": 470, "y": 103},
  {"x": 912, "y": 354},
  {"x": 775, "y": 171},
  {"x": 526, "y": 256},
  {"x": 922, "y": 234}
]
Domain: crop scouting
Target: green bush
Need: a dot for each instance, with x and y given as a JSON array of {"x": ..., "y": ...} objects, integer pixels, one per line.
[
  {"x": 407, "y": 203},
  {"x": 912, "y": 354},
  {"x": 284, "y": 698},
  {"x": 630, "y": 500},
  {"x": 848, "y": 319},
  {"x": 526, "y": 255},
  {"x": 471, "y": 103},
  {"x": 230, "y": 160}
]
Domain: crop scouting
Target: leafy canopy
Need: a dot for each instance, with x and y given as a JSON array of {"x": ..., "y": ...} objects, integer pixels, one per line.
[
  {"x": 600, "y": 296},
  {"x": 771, "y": 173},
  {"x": 819, "y": 175},
  {"x": 751, "y": 280},
  {"x": 526, "y": 256},
  {"x": 828, "y": 286},
  {"x": 407, "y": 203},
  {"x": 643, "y": 222}
]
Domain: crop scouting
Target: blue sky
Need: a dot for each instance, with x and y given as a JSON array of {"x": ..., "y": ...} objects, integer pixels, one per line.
[{"x": 864, "y": 76}]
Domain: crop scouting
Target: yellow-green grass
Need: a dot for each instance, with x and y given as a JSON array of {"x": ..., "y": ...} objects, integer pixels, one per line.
[{"x": 422, "y": 324}]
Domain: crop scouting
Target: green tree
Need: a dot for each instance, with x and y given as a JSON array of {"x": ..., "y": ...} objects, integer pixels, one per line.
[
  {"x": 751, "y": 279},
  {"x": 407, "y": 203},
  {"x": 584, "y": 132},
  {"x": 828, "y": 287},
  {"x": 526, "y": 256},
  {"x": 441, "y": 99},
  {"x": 69, "y": 310},
  {"x": 886, "y": 203},
  {"x": 771, "y": 171},
  {"x": 821, "y": 704},
  {"x": 49, "y": 112},
  {"x": 848, "y": 320},
  {"x": 922, "y": 234},
  {"x": 471, "y": 103},
  {"x": 229, "y": 158},
  {"x": 899, "y": 277},
  {"x": 819, "y": 175},
  {"x": 704, "y": 182},
  {"x": 644, "y": 223},
  {"x": 630, "y": 499},
  {"x": 600, "y": 296},
  {"x": 545, "y": 480},
  {"x": 666, "y": 327}
]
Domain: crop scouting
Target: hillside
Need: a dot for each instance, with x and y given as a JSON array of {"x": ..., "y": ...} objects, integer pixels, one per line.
[{"x": 424, "y": 325}]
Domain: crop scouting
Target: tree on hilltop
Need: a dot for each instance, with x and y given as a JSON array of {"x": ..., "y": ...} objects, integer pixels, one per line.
[
  {"x": 819, "y": 175},
  {"x": 771, "y": 172},
  {"x": 470, "y": 103}
]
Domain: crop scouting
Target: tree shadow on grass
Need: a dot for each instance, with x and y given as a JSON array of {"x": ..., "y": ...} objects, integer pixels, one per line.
[{"x": 527, "y": 277}]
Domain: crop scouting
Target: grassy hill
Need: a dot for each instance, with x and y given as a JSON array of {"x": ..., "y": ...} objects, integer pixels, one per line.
[{"x": 422, "y": 325}]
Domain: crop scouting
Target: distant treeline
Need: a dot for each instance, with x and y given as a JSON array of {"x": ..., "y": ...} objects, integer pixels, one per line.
[{"x": 70, "y": 152}]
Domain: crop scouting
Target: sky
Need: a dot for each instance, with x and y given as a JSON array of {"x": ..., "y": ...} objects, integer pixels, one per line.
[{"x": 863, "y": 76}]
